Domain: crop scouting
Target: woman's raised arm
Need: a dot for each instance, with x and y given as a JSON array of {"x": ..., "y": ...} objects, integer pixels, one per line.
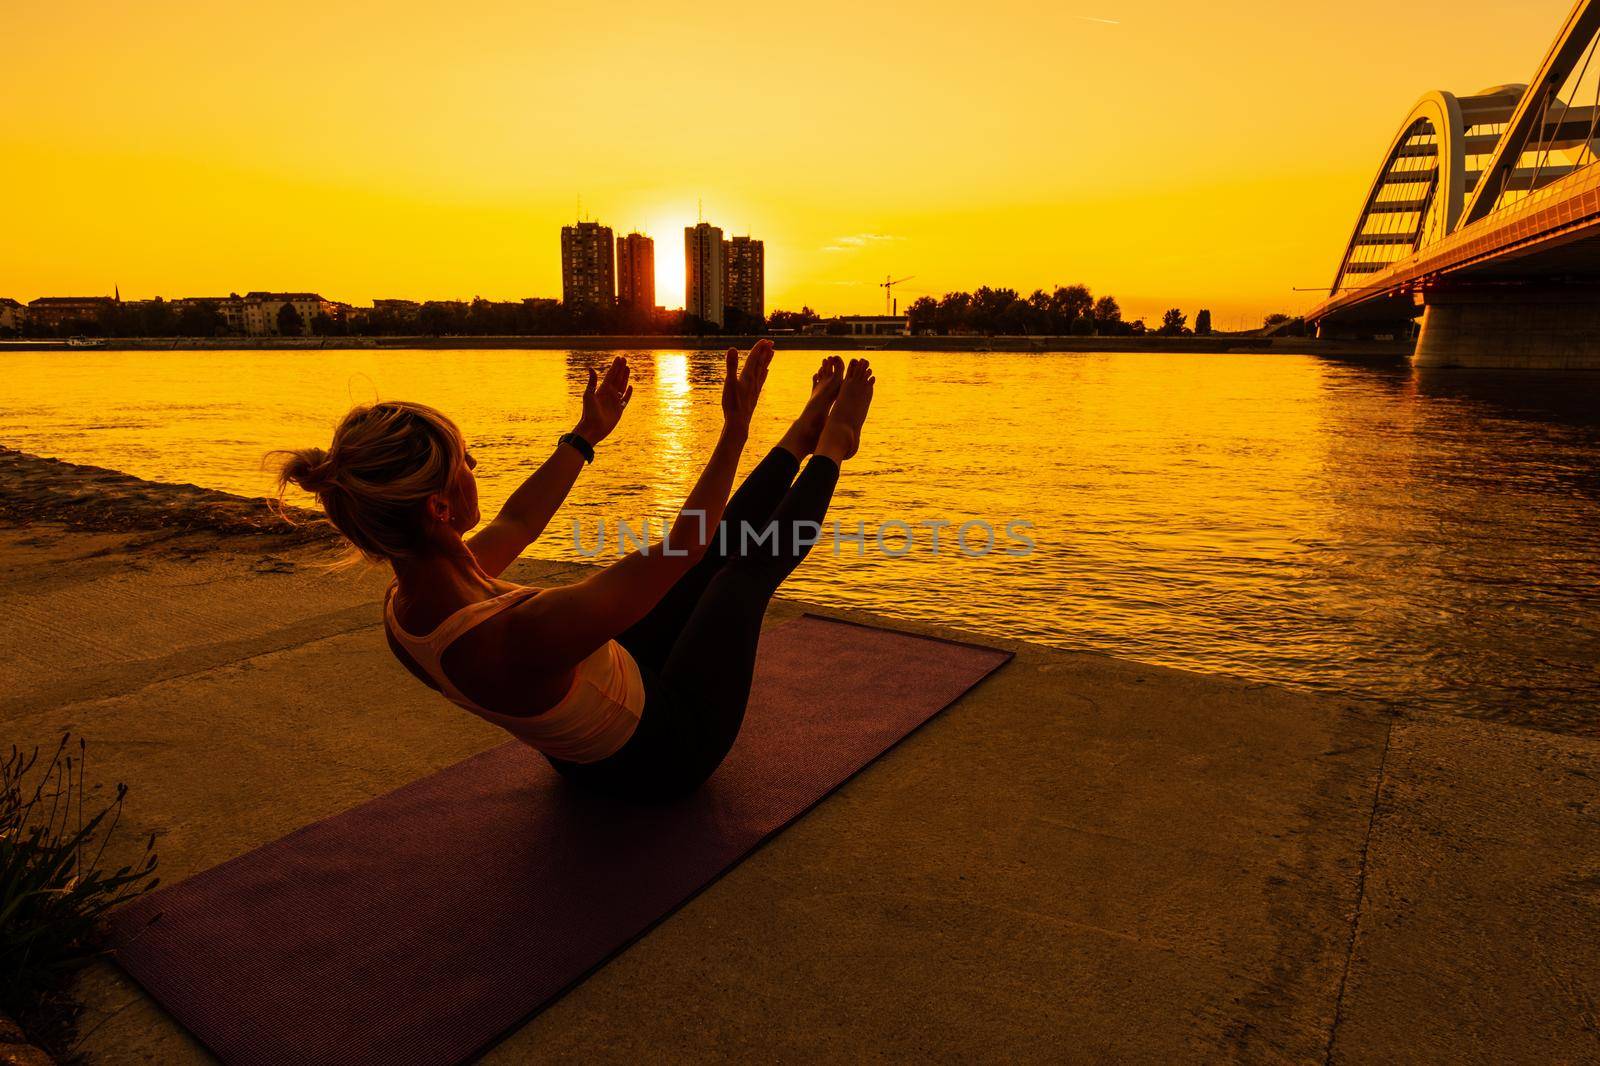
[
  {"x": 585, "y": 615},
  {"x": 530, "y": 508}
]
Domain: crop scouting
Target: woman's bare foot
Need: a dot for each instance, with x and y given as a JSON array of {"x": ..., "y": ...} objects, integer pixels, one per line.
[
  {"x": 803, "y": 434},
  {"x": 841, "y": 435}
]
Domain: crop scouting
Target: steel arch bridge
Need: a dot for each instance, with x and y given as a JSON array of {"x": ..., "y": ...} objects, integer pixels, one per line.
[{"x": 1485, "y": 213}]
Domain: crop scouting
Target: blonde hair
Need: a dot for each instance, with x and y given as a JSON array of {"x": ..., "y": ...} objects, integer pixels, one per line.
[{"x": 385, "y": 461}]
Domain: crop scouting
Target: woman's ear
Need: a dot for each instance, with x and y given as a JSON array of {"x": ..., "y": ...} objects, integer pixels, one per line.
[{"x": 438, "y": 508}]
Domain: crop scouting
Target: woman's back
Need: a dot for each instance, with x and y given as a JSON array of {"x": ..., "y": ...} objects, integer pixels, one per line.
[{"x": 477, "y": 656}]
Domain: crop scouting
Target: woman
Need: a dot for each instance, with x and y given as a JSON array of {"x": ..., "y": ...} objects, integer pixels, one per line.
[{"x": 634, "y": 680}]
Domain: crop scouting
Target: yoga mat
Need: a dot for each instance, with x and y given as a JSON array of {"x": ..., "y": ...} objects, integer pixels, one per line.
[{"x": 424, "y": 925}]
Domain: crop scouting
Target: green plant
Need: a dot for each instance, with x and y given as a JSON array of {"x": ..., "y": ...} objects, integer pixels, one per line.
[{"x": 52, "y": 889}]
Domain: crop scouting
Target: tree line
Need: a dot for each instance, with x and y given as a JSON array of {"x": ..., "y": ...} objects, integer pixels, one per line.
[
  {"x": 529, "y": 318},
  {"x": 477, "y": 317},
  {"x": 1067, "y": 310}
]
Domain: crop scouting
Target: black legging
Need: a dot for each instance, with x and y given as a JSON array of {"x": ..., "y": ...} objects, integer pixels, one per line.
[{"x": 696, "y": 649}]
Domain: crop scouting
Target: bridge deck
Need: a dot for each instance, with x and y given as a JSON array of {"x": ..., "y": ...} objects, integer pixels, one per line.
[{"x": 1553, "y": 232}]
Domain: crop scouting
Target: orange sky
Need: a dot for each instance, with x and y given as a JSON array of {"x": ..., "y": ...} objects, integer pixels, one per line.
[{"x": 1168, "y": 152}]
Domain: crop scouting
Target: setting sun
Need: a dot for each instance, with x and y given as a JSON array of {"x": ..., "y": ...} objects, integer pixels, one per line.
[{"x": 667, "y": 232}]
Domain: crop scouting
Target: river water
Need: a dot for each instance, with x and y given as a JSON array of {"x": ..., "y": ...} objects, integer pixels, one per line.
[{"x": 1429, "y": 538}]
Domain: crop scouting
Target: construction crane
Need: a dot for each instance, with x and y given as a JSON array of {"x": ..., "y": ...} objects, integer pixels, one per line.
[{"x": 887, "y": 285}]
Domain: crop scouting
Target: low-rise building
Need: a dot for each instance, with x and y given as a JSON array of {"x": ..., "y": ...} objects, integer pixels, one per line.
[
  {"x": 75, "y": 312},
  {"x": 863, "y": 326},
  {"x": 263, "y": 311},
  {"x": 232, "y": 311},
  {"x": 230, "y": 307},
  {"x": 13, "y": 316},
  {"x": 399, "y": 310}
]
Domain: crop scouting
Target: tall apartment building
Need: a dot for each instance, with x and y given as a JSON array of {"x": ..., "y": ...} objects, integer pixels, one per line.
[
  {"x": 636, "y": 272},
  {"x": 703, "y": 273},
  {"x": 588, "y": 278},
  {"x": 745, "y": 277}
]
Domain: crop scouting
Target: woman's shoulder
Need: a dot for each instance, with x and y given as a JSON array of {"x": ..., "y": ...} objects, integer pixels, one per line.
[
  {"x": 529, "y": 606},
  {"x": 510, "y": 613},
  {"x": 433, "y": 616}
]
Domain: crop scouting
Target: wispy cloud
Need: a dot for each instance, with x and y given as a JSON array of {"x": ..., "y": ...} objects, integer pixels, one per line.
[
  {"x": 856, "y": 241},
  {"x": 1103, "y": 22}
]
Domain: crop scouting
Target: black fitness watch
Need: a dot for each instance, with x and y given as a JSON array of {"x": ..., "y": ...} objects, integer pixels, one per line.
[{"x": 583, "y": 447}]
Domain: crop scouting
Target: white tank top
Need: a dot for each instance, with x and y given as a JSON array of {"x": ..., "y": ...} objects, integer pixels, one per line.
[{"x": 594, "y": 719}]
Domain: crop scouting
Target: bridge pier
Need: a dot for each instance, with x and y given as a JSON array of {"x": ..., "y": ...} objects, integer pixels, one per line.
[{"x": 1503, "y": 328}]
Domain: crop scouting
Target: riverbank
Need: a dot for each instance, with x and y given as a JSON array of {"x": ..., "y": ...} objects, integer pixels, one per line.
[
  {"x": 1084, "y": 859},
  {"x": 1215, "y": 343}
]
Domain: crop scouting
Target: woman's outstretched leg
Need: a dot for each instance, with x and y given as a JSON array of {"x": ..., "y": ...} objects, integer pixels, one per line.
[
  {"x": 709, "y": 669},
  {"x": 651, "y": 638}
]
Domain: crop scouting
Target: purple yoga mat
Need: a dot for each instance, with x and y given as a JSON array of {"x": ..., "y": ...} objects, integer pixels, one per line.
[{"x": 423, "y": 925}]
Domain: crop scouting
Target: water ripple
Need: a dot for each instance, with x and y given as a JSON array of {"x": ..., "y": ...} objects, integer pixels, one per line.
[{"x": 1427, "y": 538}]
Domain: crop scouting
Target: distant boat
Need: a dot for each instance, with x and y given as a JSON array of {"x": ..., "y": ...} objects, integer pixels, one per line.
[{"x": 85, "y": 342}]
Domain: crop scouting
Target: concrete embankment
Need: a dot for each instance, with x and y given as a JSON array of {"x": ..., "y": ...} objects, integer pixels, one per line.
[{"x": 1085, "y": 859}]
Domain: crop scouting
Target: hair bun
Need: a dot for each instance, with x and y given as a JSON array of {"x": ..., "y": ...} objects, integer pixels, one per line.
[
  {"x": 309, "y": 468},
  {"x": 319, "y": 476}
]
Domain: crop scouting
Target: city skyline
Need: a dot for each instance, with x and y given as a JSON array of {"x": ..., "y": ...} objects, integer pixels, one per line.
[
  {"x": 1021, "y": 159},
  {"x": 722, "y": 276}
]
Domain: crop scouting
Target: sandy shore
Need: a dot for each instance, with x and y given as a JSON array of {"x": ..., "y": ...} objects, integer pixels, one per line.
[{"x": 1084, "y": 859}]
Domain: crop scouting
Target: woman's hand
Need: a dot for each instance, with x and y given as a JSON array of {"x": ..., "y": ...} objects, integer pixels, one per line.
[
  {"x": 741, "y": 389},
  {"x": 604, "y": 401}
]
